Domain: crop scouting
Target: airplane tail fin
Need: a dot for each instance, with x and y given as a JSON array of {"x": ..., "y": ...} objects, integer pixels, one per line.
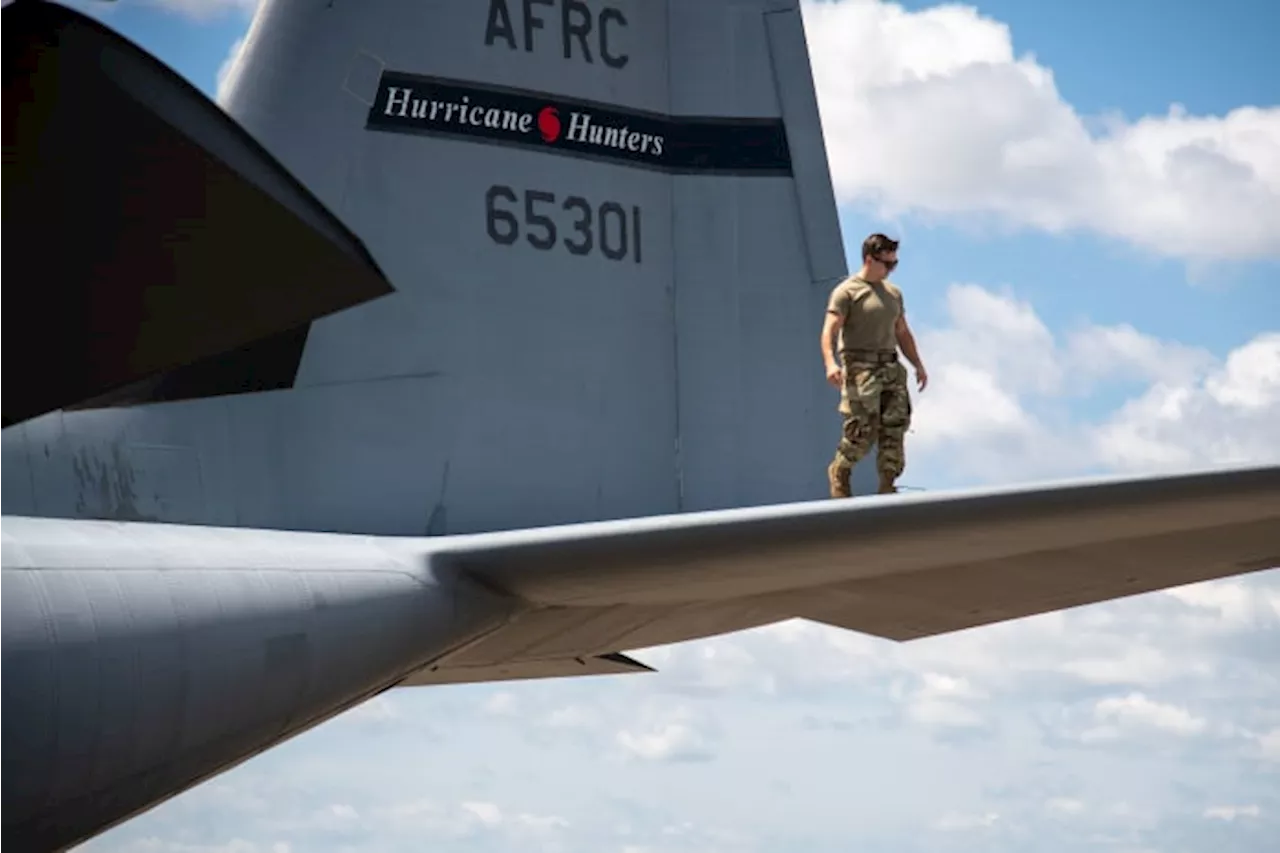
[{"x": 633, "y": 202}]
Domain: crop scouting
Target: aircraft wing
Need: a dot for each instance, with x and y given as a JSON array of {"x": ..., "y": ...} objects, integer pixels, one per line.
[{"x": 900, "y": 567}]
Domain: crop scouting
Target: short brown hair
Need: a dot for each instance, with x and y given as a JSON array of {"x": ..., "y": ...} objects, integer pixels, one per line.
[{"x": 877, "y": 243}]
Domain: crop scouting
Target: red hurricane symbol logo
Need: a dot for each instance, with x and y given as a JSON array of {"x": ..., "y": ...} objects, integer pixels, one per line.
[{"x": 549, "y": 124}]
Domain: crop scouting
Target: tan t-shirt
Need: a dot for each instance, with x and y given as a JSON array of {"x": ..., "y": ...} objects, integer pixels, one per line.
[{"x": 870, "y": 311}]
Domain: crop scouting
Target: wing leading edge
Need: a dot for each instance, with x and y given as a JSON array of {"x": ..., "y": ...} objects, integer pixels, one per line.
[{"x": 901, "y": 568}]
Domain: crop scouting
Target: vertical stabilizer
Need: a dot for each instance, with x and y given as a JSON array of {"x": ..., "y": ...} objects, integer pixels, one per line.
[{"x": 611, "y": 233}]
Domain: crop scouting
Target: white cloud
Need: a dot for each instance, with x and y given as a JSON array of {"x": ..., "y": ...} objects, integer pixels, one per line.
[
  {"x": 486, "y": 813},
  {"x": 667, "y": 736},
  {"x": 1234, "y": 602},
  {"x": 1230, "y": 813},
  {"x": 1133, "y": 665},
  {"x": 540, "y": 824},
  {"x": 572, "y": 717},
  {"x": 930, "y": 111},
  {"x": 1226, "y": 414},
  {"x": 1269, "y": 745},
  {"x": 999, "y": 377},
  {"x": 235, "y": 845},
  {"x": 1137, "y": 709},
  {"x": 1251, "y": 379},
  {"x": 986, "y": 327},
  {"x": 942, "y": 700},
  {"x": 342, "y": 811},
  {"x": 954, "y": 821},
  {"x": 501, "y": 704},
  {"x": 1065, "y": 805},
  {"x": 430, "y": 819},
  {"x": 1123, "y": 353}
]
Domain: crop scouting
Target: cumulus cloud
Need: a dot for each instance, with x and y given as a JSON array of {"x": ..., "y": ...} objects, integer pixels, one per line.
[
  {"x": 1136, "y": 709},
  {"x": 1225, "y": 414},
  {"x": 931, "y": 112},
  {"x": 1230, "y": 813},
  {"x": 1065, "y": 806},
  {"x": 1233, "y": 602},
  {"x": 991, "y": 417},
  {"x": 1269, "y": 745},
  {"x": 572, "y": 717},
  {"x": 501, "y": 704},
  {"x": 468, "y": 819},
  {"x": 943, "y": 700},
  {"x": 953, "y": 822},
  {"x": 235, "y": 845},
  {"x": 670, "y": 735}
]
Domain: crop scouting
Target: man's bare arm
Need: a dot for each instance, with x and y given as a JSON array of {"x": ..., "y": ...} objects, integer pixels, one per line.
[
  {"x": 907, "y": 342},
  {"x": 830, "y": 323}
]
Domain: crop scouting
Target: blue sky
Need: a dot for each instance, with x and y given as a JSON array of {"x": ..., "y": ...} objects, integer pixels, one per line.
[{"x": 1121, "y": 314}]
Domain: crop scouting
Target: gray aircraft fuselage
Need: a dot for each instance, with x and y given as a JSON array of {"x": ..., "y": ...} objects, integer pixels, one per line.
[{"x": 135, "y": 669}]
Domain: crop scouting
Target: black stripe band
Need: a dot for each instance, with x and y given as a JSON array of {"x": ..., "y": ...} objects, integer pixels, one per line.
[{"x": 413, "y": 104}]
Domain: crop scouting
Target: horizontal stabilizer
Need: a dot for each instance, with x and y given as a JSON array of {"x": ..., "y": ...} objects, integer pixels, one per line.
[
  {"x": 149, "y": 235},
  {"x": 898, "y": 567}
]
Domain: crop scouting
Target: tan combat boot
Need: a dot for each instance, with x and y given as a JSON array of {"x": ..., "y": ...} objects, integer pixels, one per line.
[
  {"x": 838, "y": 480},
  {"x": 886, "y": 485}
]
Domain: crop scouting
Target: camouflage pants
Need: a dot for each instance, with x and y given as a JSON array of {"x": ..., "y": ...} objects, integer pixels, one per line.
[{"x": 876, "y": 407}]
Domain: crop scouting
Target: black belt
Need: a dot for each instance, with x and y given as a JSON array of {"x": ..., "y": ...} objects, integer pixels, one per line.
[{"x": 874, "y": 356}]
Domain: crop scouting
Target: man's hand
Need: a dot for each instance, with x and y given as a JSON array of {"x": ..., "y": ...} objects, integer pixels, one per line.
[
  {"x": 907, "y": 342},
  {"x": 835, "y": 374}
]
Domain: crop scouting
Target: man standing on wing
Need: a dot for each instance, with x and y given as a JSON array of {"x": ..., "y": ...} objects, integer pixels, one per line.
[{"x": 867, "y": 309}]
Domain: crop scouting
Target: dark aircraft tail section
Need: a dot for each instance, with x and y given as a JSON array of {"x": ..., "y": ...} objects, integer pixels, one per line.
[{"x": 156, "y": 251}]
